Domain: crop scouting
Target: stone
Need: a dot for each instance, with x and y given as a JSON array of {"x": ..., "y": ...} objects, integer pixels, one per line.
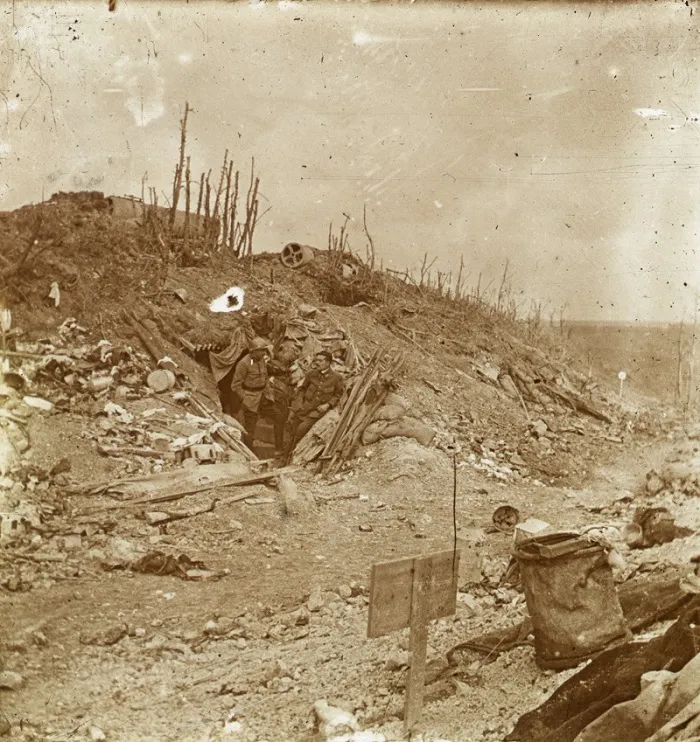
[
  {"x": 72, "y": 542},
  {"x": 517, "y": 460},
  {"x": 654, "y": 483},
  {"x": 470, "y": 603},
  {"x": 220, "y": 627},
  {"x": 107, "y": 637},
  {"x": 39, "y": 639},
  {"x": 396, "y": 661},
  {"x": 96, "y": 734},
  {"x": 344, "y": 591},
  {"x": 11, "y": 680},
  {"x": 539, "y": 428},
  {"x": 307, "y": 310},
  {"x": 315, "y": 601}
]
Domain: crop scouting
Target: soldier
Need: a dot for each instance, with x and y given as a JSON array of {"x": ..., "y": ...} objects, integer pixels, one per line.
[
  {"x": 320, "y": 392},
  {"x": 278, "y": 393},
  {"x": 249, "y": 381}
]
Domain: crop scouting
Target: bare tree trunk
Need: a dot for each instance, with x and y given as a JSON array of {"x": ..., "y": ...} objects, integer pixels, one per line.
[
  {"x": 143, "y": 197},
  {"x": 502, "y": 289},
  {"x": 188, "y": 188},
  {"x": 233, "y": 245},
  {"x": 199, "y": 206},
  {"x": 207, "y": 208},
  {"x": 425, "y": 270},
  {"x": 251, "y": 213},
  {"x": 371, "y": 256},
  {"x": 213, "y": 235},
  {"x": 458, "y": 285},
  {"x": 227, "y": 207},
  {"x": 177, "y": 182}
]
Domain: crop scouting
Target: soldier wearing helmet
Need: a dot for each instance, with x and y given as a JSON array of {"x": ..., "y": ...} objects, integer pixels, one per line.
[{"x": 249, "y": 381}]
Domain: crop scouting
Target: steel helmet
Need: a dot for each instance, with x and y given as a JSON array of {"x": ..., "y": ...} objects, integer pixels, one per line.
[{"x": 258, "y": 344}]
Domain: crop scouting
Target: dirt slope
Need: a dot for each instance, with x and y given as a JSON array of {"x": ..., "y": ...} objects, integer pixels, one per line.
[{"x": 153, "y": 657}]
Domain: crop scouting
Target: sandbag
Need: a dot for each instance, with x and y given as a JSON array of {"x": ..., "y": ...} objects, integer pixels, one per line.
[
  {"x": 405, "y": 427},
  {"x": 409, "y": 427},
  {"x": 373, "y": 432},
  {"x": 394, "y": 407}
]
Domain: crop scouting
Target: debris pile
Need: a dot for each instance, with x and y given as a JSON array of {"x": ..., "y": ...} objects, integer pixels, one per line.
[{"x": 165, "y": 446}]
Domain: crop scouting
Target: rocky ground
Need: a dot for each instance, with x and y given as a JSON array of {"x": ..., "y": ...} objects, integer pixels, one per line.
[
  {"x": 95, "y": 652},
  {"x": 267, "y": 615}
]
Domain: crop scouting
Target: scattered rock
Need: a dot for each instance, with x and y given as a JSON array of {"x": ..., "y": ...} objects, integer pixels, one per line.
[
  {"x": 39, "y": 639},
  {"x": 517, "y": 460},
  {"x": 539, "y": 428},
  {"x": 105, "y": 638},
  {"x": 96, "y": 734},
  {"x": 470, "y": 603},
  {"x": 72, "y": 542},
  {"x": 307, "y": 310},
  {"x": 654, "y": 483},
  {"x": 224, "y": 625},
  {"x": 315, "y": 601},
  {"x": 344, "y": 591},
  {"x": 11, "y": 680},
  {"x": 334, "y": 721},
  {"x": 396, "y": 661}
]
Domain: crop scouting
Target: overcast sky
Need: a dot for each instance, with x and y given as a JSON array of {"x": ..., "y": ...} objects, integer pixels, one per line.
[{"x": 557, "y": 136}]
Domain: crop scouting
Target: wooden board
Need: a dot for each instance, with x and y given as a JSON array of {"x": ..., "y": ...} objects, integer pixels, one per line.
[
  {"x": 391, "y": 591},
  {"x": 420, "y": 612}
]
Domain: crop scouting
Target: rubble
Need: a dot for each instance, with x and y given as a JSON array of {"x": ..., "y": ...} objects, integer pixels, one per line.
[{"x": 95, "y": 520}]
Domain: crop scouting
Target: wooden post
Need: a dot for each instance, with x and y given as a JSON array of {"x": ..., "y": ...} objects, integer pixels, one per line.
[
  {"x": 418, "y": 647},
  {"x": 410, "y": 593}
]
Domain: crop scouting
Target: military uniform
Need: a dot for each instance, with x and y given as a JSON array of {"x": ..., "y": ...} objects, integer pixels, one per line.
[
  {"x": 319, "y": 388},
  {"x": 249, "y": 381},
  {"x": 277, "y": 397}
]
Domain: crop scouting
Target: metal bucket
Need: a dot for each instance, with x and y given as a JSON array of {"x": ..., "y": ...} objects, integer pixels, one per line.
[{"x": 571, "y": 598}]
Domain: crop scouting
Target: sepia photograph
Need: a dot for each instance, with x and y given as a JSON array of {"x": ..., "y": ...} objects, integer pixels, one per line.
[{"x": 348, "y": 379}]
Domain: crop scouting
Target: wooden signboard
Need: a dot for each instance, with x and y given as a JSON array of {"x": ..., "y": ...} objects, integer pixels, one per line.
[{"x": 409, "y": 593}]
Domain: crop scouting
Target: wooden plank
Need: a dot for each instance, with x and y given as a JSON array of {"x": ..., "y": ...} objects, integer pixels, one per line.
[
  {"x": 420, "y": 616},
  {"x": 391, "y": 588}
]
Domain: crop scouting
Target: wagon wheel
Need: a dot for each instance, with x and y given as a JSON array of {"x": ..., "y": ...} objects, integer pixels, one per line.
[{"x": 292, "y": 255}]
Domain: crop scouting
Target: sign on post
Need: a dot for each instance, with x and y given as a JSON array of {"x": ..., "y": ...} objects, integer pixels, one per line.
[
  {"x": 409, "y": 593},
  {"x": 621, "y": 376}
]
